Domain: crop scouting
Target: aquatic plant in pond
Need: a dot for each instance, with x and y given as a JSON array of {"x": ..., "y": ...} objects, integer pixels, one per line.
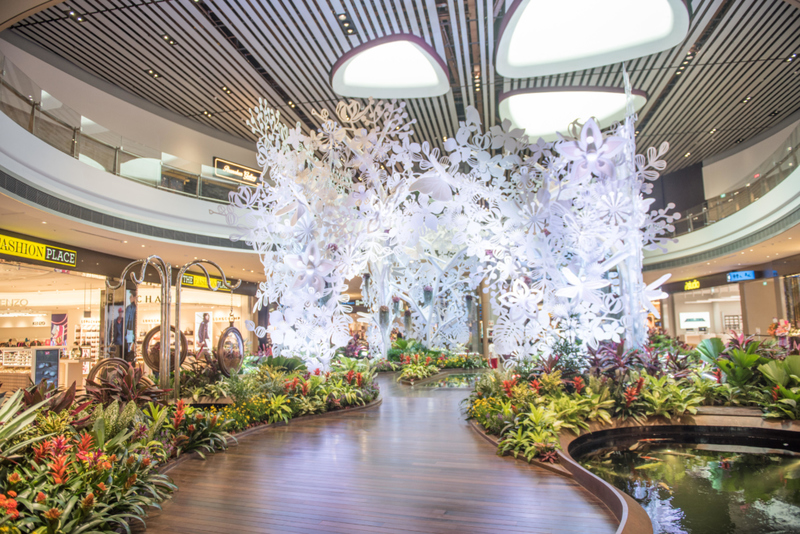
[{"x": 694, "y": 489}]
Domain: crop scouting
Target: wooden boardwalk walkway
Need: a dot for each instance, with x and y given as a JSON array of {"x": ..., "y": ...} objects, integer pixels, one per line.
[{"x": 411, "y": 465}]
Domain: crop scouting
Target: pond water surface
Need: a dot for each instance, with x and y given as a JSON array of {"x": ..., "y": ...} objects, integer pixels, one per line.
[{"x": 705, "y": 488}]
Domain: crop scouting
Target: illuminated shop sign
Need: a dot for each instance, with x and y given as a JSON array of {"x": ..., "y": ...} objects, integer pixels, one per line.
[
  {"x": 741, "y": 276},
  {"x": 691, "y": 284},
  {"x": 199, "y": 281},
  {"x": 234, "y": 171},
  {"x": 32, "y": 250}
]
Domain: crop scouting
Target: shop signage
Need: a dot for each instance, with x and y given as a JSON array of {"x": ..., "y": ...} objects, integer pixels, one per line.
[
  {"x": 691, "y": 284},
  {"x": 23, "y": 248},
  {"x": 199, "y": 281},
  {"x": 741, "y": 276},
  {"x": 234, "y": 171},
  {"x": 13, "y": 303}
]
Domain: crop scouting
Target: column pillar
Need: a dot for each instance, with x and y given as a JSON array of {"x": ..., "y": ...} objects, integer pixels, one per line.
[{"x": 485, "y": 316}]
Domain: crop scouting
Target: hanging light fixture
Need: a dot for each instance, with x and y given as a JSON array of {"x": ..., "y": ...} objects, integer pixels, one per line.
[{"x": 543, "y": 37}]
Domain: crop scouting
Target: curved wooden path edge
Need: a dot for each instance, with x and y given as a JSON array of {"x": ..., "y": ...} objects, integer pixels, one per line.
[{"x": 233, "y": 439}]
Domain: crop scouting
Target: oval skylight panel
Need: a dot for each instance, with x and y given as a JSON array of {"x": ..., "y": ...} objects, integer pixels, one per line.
[
  {"x": 543, "y": 37},
  {"x": 543, "y": 112},
  {"x": 398, "y": 66}
]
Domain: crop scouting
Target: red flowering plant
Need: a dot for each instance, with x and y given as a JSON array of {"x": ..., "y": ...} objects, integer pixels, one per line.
[
  {"x": 632, "y": 404},
  {"x": 68, "y": 481},
  {"x": 192, "y": 430}
]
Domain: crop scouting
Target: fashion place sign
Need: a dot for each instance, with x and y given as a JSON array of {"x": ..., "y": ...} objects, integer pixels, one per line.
[{"x": 32, "y": 250}]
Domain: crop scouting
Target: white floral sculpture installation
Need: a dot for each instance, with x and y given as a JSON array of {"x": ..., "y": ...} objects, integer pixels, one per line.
[
  {"x": 434, "y": 287},
  {"x": 559, "y": 230},
  {"x": 331, "y": 205}
]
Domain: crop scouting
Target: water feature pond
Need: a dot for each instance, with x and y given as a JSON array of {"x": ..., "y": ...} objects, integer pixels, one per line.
[{"x": 704, "y": 488}]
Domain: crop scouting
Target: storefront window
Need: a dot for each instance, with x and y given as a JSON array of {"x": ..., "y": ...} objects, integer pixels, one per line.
[
  {"x": 41, "y": 308},
  {"x": 708, "y": 312}
]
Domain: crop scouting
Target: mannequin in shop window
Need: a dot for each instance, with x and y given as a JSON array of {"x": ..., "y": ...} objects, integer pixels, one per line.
[
  {"x": 203, "y": 334},
  {"x": 130, "y": 330},
  {"x": 117, "y": 334}
]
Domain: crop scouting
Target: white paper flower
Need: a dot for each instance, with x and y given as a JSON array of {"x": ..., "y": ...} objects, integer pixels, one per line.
[{"x": 312, "y": 268}]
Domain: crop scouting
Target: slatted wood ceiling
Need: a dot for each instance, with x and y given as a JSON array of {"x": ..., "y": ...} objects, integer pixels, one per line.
[{"x": 741, "y": 49}]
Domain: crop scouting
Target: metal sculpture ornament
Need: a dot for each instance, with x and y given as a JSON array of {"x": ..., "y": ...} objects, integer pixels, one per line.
[{"x": 559, "y": 229}]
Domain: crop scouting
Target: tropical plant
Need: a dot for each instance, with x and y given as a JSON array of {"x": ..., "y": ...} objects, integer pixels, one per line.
[
  {"x": 193, "y": 431},
  {"x": 74, "y": 486},
  {"x": 786, "y": 403},
  {"x": 417, "y": 371},
  {"x": 14, "y": 420},
  {"x": 533, "y": 432},
  {"x": 124, "y": 384},
  {"x": 782, "y": 372},
  {"x": 283, "y": 363}
]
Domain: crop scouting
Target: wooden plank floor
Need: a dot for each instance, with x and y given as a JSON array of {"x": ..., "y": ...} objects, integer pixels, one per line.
[{"x": 411, "y": 465}]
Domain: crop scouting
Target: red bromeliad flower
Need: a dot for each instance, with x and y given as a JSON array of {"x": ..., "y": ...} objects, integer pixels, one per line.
[
  {"x": 40, "y": 497},
  {"x": 87, "y": 501},
  {"x": 102, "y": 487},
  {"x": 630, "y": 395},
  {"x": 349, "y": 376},
  {"x": 180, "y": 413},
  {"x": 317, "y": 371},
  {"x": 57, "y": 446},
  {"x": 536, "y": 385},
  {"x": 13, "y": 478},
  {"x": 776, "y": 393},
  {"x": 428, "y": 360},
  {"x": 306, "y": 387},
  {"x": 579, "y": 385},
  {"x": 131, "y": 481},
  {"x": 359, "y": 379},
  {"x": 718, "y": 375},
  {"x": 53, "y": 514},
  {"x": 508, "y": 385},
  {"x": 58, "y": 470}
]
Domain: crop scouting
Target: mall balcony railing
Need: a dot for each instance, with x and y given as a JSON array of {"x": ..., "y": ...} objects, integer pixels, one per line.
[
  {"x": 774, "y": 170},
  {"x": 65, "y": 129}
]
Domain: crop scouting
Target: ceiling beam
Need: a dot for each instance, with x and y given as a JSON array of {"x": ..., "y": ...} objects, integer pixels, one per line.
[{"x": 13, "y": 11}]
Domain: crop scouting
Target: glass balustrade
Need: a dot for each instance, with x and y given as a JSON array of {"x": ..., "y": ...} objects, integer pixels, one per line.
[
  {"x": 63, "y": 128},
  {"x": 771, "y": 172}
]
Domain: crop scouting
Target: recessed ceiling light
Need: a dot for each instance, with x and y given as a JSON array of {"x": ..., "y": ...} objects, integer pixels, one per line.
[
  {"x": 397, "y": 66},
  {"x": 76, "y": 16},
  {"x": 543, "y": 112},
  {"x": 153, "y": 73},
  {"x": 650, "y": 26},
  {"x": 168, "y": 39},
  {"x": 687, "y": 154},
  {"x": 341, "y": 16},
  {"x": 142, "y": 246}
]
